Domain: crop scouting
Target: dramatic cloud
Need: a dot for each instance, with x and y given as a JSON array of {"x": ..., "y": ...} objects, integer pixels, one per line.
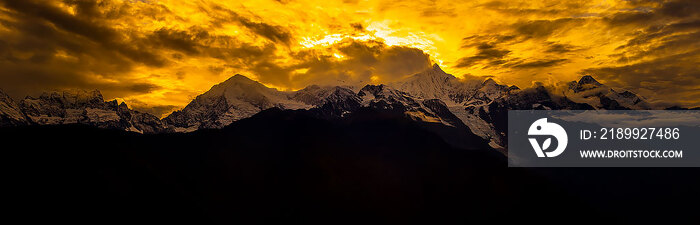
[
  {"x": 674, "y": 78},
  {"x": 491, "y": 50},
  {"x": 157, "y": 55},
  {"x": 358, "y": 63}
]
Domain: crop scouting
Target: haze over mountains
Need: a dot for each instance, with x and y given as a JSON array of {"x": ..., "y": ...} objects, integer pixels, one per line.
[{"x": 431, "y": 97}]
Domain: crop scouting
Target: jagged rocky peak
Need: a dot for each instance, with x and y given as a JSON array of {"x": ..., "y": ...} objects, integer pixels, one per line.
[
  {"x": 318, "y": 95},
  {"x": 69, "y": 98},
  {"x": 388, "y": 99},
  {"x": 589, "y": 90},
  {"x": 86, "y": 107},
  {"x": 385, "y": 97},
  {"x": 586, "y": 83},
  {"x": 373, "y": 89},
  {"x": 588, "y": 79},
  {"x": 312, "y": 94},
  {"x": 435, "y": 72},
  {"x": 4, "y": 97},
  {"x": 58, "y": 107},
  {"x": 485, "y": 92},
  {"x": 10, "y": 112},
  {"x": 628, "y": 94},
  {"x": 491, "y": 86},
  {"x": 381, "y": 91}
]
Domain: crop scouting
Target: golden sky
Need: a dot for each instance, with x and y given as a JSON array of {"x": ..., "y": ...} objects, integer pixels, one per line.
[{"x": 159, "y": 54}]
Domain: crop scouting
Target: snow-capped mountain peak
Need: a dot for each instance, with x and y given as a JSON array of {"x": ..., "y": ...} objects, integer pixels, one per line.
[
  {"x": 598, "y": 95},
  {"x": 236, "y": 98},
  {"x": 431, "y": 96},
  {"x": 238, "y": 85},
  {"x": 77, "y": 107},
  {"x": 316, "y": 95},
  {"x": 432, "y": 83},
  {"x": 586, "y": 83}
]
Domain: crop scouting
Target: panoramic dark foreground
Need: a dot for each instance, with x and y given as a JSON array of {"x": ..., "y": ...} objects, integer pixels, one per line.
[{"x": 288, "y": 167}]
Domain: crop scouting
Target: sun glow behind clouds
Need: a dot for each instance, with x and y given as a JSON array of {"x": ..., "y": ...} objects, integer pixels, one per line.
[
  {"x": 165, "y": 52},
  {"x": 381, "y": 32},
  {"x": 418, "y": 39},
  {"x": 331, "y": 39}
]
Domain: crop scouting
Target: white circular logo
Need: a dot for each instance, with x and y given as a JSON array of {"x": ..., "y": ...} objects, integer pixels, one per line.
[{"x": 542, "y": 127}]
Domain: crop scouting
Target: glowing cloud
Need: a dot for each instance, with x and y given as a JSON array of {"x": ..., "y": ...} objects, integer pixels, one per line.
[{"x": 159, "y": 54}]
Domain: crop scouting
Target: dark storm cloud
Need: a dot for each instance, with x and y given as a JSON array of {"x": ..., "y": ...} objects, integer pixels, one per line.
[
  {"x": 271, "y": 32},
  {"x": 553, "y": 47},
  {"x": 489, "y": 50},
  {"x": 681, "y": 8},
  {"x": 668, "y": 11},
  {"x": 183, "y": 41},
  {"x": 197, "y": 41},
  {"x": 361, "y": 61},
  {"x": 676, "y": 77},
  {"x": 674, "y": 23},
  {"x": 358, "y": 26},
  {"x": 536, "y": 64},
  {"x": 518, "y": 10},
  {"x": 40, "y": 15},
  {"x": 487, "y": 53},
  {"x": 626, "y": 18},
  {"x": 545, "y": 28},
  {"x": 47, "y": 48},
  {"x": 661, "y": 58},
  {"x": 272, "y": 73},
  {"x": 22, "y": 78},
  {"x": 112, "y": 45},
  {"x": 492, "y": 50},
  {"x": 657, "y": 40},
  {"x": 398, "y": 61}
]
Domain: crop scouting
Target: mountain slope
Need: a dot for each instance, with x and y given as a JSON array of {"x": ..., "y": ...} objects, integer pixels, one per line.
[
  {"x": 432, "y": 83},
  {"x": 239, "y": 97},
  {"x": 234, "y": 99},
  {"x": 78, "y": 107},
  {"x": 600, "y": 96},
  {"x": 274, "y": 167},
  {"x": 438, "y": 100},
  {"x": 10, "y": 112},
  {"x": 459, "y": 96},
  {"x": 329, "y": 102},
  {"x": 482, "y": 105}
]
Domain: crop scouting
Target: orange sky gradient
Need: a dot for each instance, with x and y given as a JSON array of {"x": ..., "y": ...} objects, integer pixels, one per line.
[{"x": 157, "y": 55}]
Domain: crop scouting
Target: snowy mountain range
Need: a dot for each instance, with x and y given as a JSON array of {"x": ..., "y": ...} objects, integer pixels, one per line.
[
  {"x": 430, "y": 97},
  {"x": 76, "y": 107}
]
